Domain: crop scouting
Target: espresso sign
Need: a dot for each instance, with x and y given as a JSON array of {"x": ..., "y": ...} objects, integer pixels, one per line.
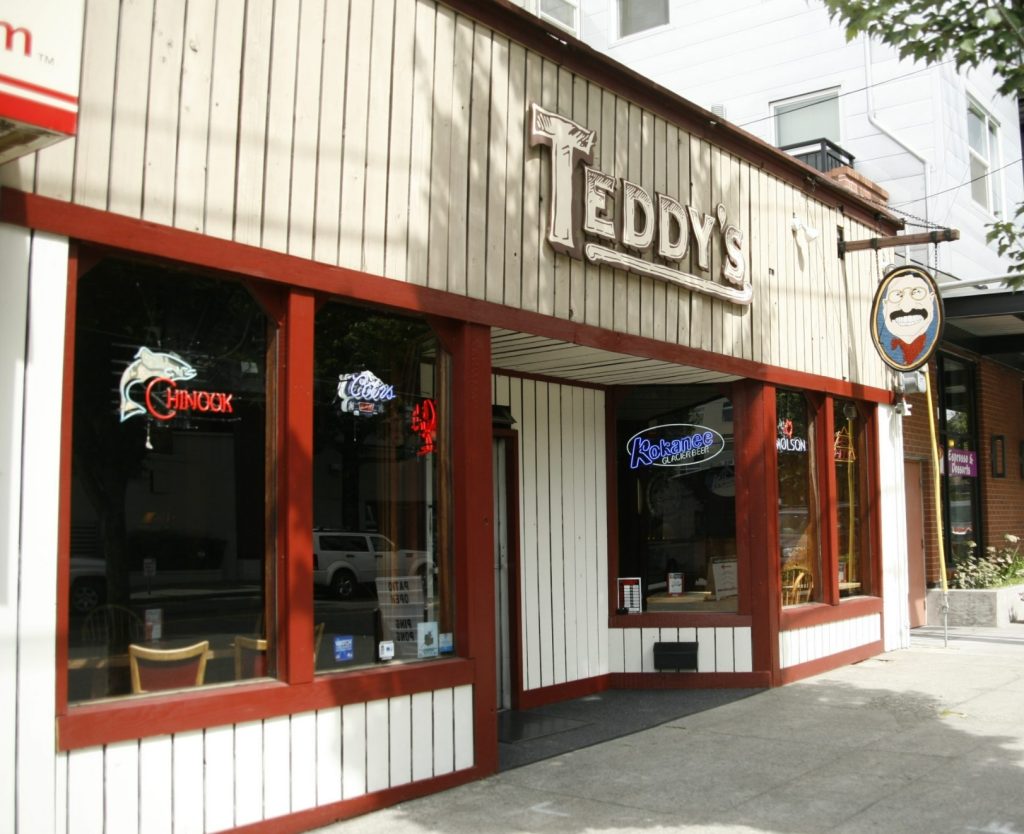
[{"x": 621, "y": 215}]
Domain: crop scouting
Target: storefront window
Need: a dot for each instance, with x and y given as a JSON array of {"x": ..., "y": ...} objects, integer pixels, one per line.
[
  {"x": 957, "y": 426},
  {"x": 850, "y": 455},
  {"x": 799, "y": 547},
  {"x": 382, "y": 575},
  {"x": 677, "y": 499},
  {"x": 169, "y": 512}
]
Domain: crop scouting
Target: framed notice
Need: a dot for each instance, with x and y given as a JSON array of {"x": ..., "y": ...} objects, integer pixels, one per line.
[
  {"x": 630, "y": 598},
  {"x": 723, "y": 578},
  {"x": 674, "y": 584}
]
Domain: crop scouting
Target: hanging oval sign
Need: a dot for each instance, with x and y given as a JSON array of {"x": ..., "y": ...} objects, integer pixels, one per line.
[
  {"x": 906, "y": 318},
  {"x": 673, "y": 444}
]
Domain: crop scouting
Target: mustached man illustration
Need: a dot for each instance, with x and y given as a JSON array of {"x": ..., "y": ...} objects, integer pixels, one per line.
[{"x": 907, "y": 320}]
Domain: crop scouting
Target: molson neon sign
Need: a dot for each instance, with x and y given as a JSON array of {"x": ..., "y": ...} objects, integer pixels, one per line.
[
  {"x": 786, "y": 442},
  {"x": 674, "y": 444},
  {"x": 668, "y": 227},
  {"x": 162, "y": 399}
]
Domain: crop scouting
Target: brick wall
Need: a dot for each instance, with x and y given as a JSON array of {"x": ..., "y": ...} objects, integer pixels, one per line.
[{"x": 1000, "y": 401}]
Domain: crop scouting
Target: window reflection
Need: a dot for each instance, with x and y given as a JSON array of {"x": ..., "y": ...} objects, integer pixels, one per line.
[
  {"x": 849, "y": 453},
  {"x": 381, "y": 569},
  {"x": 168, "y": 530}
]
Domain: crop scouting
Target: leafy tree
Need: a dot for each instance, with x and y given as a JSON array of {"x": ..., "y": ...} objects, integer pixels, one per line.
[{"x": 969, "y": 31}]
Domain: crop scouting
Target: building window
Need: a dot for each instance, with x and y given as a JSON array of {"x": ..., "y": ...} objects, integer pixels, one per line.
[
  {"x": 958, "y": 435},
  {"x": 381, "y": 507},
  {"x": 799, "y": 543},
  {"x": 637, "y": 16},
  {"x": 677, "y": 497},
  {"x": 806, "y": 118},
  {"x": 983, "y": 144},
  {"x": 849, "y": 453},
  {"x": 169, "y": 501},
  {"x": 563, "y": 13}
]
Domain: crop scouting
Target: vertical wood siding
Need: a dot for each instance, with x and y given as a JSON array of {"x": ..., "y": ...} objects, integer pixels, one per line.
[
  {"x": 719, "y": 649},
  {"x": 390, "y": 139},
  {"x": 563, "y": 554},
  {"x": 224, "y": 777},
  {"x": 803, "y": 645}
]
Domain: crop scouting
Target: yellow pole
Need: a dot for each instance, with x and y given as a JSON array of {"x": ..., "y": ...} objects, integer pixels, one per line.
[{"x": 938, "y": 502}]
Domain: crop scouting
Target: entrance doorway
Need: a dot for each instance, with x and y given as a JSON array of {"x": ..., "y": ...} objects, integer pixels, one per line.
[
  {"x": 506, "y": 597},
  {"x": 916, "y": 581}
]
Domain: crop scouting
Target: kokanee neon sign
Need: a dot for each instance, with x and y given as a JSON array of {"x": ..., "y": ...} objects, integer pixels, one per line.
[{"x": 674, "y": 444}]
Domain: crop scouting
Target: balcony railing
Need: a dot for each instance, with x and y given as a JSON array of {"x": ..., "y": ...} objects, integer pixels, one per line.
[{"x": 822, "y": 154}]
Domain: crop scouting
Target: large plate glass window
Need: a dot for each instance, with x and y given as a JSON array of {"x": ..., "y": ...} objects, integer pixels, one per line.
[
  {"x": 850, "y": 456},
  {"x": 958, "y": 433},
  {"x": 171, "y": 543},
  {"x": 677, "y": 498},
  {"x": 799, "y": 540},
  {"x": 382, "y": 575}
]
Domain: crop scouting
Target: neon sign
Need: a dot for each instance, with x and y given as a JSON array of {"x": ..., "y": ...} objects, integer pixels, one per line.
[
  {"x": 363, "y": 393},
  {"x": 674, "y": 444},
  {"x": 163, "y": 399},
  {"x": 786, "y": 442},
  {"x": 175, "y": 400},
  {"x": 424, "y": 423}
]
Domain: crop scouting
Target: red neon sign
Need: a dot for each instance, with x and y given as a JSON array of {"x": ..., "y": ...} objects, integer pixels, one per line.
[
  {"x": 175, "y": 400},
  {"x": 424, "y": 423}
]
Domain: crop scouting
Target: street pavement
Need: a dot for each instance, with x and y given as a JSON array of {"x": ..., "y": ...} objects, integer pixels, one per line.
[{"x": 924, "y": 740}]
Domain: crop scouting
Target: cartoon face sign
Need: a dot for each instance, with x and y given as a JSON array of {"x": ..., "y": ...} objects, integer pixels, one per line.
[{"x": 906, "y": 318}]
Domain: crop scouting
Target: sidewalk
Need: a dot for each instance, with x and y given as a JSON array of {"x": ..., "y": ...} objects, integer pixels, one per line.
[{"x": 928, "y": 740}]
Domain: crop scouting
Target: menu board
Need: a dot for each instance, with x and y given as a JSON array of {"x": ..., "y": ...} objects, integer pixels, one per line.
[{"x": 723, "y": 577}]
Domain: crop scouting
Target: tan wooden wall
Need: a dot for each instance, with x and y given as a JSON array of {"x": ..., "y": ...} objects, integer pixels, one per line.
[{"x": 389, "y": 137}]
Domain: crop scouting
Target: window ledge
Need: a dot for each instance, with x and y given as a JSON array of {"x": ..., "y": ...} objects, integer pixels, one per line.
[
  {"x": 819, "y": 613},
  {"x": 122, "y": 719}
]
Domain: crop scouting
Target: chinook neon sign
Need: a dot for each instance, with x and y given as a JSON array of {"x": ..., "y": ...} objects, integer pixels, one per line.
[{"x": 664, "y": 224}]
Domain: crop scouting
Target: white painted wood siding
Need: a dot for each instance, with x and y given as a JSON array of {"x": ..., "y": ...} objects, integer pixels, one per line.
[
  {"x": 803, "y": 645},
  {"x": 719, "y": 649},
  {"x": 398, "y": 148},
  {"x": 223, "y": 777},
  {"x": 563, "y": 529}
]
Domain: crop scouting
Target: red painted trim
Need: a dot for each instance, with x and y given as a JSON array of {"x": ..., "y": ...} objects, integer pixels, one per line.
[
  {"x": 152, "y": 715},
  {"x": 38, "y": 115},
  {"x": 563, "y": 49},
  {"x": 64, "y": 497},
  {"x": 873, "y": 502},
  {"x": 833, "y": 661},
  {"x": 295, "y": 502},
  {"x": 37, "y": 88},
  {"x": 611, "y": 479},
  {"x": 690, "y": 680},
  {"x": 348, "y": 808},
  {"x": 802, "y": 616},
  {"x": 533, "y": 698},
  {"x": 58, "y": 217},
  {"x": 680, "y": 619},
  {"x": 473, "y": 483}
]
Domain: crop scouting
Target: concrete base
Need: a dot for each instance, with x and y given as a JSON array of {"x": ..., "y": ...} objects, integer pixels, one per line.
[{"x": 981, "y": 607}]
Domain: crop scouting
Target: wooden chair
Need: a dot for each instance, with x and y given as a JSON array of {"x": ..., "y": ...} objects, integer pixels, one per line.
[
  {"x": 250, "y": 657},
  {"x": 797, "y": 586},
  {"x": 112, "y": 625},
  {"x": 158, "y": 669}
]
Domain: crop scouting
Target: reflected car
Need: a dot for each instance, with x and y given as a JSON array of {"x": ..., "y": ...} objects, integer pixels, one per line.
[
  {"x": 344, "y": 561},
  {"x": 88, "y": 584}
]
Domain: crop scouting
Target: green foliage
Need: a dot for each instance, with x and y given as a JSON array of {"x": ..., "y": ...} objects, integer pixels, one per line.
[
  {"x": 996, "y": 567},
  {"x": 968, "y": 31}
]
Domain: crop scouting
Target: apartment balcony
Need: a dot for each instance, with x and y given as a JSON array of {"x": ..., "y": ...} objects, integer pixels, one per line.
[{"x": 822, "y": 154}]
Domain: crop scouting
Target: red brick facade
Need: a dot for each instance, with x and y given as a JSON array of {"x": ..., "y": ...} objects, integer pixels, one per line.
[{"x": 1000, "y": 406}]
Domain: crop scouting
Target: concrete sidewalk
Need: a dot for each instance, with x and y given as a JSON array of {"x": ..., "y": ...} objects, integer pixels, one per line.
[{"x": 929, "y": 740}]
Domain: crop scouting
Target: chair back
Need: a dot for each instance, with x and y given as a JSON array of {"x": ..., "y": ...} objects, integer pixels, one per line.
[
  {"x": 158, "y": 669},
  {"x": 112, "y": 625},
  {"x": 250, "y": 657},
  {"x": 797, "y": 586}
]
